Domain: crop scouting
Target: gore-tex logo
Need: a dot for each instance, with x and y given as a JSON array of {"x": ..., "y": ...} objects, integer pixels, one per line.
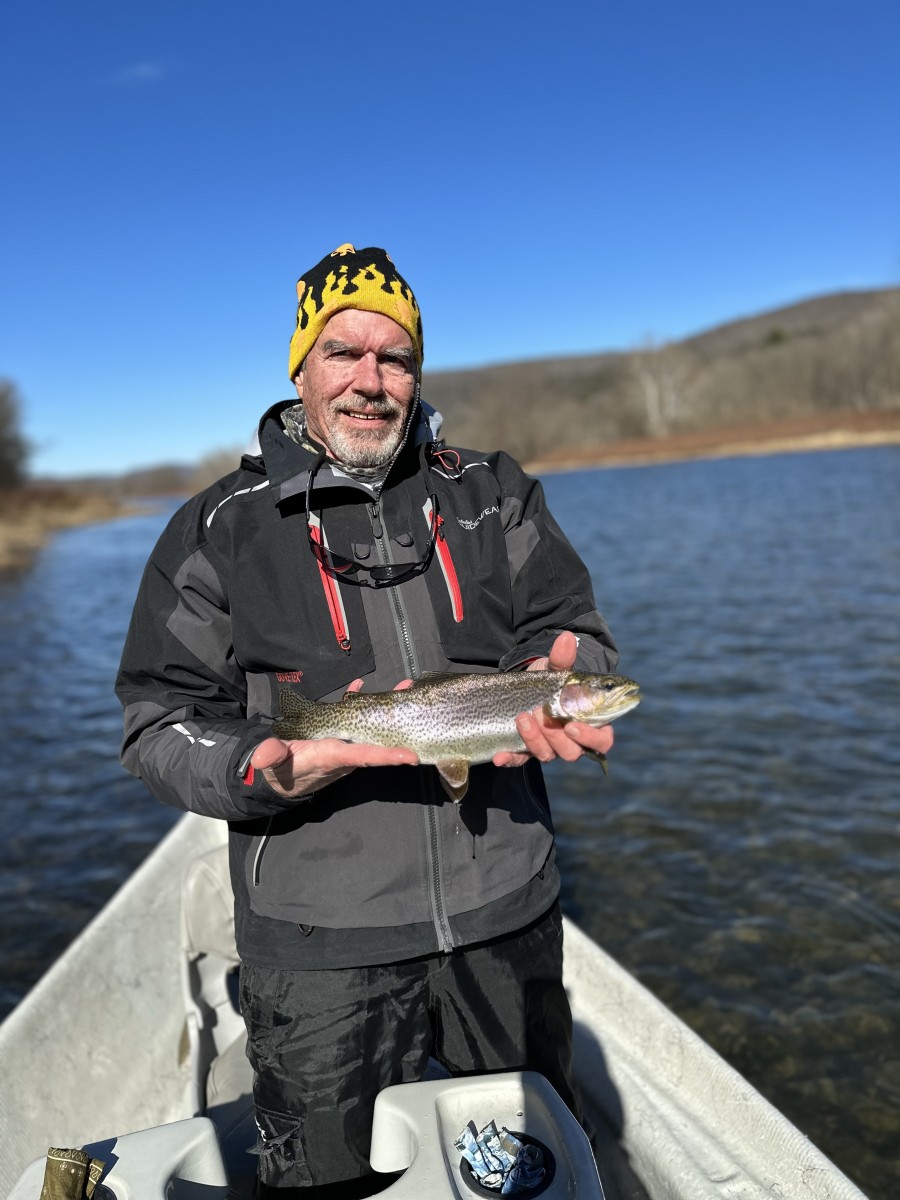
[
  {"x": 288, "y": 676},
  {"x": 467, "y": 524}
]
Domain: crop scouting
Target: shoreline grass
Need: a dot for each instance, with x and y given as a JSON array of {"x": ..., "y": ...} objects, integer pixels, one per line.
[{"x": 30, "y": 515}]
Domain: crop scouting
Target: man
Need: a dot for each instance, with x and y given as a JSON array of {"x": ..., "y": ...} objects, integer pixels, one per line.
[{"x": 377, "y": 922}]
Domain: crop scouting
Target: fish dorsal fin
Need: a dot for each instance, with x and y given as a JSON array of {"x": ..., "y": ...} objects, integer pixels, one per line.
[
  {"x": 435, "y": 677},
  {"x": 293, "y": 704},
  {"x": 454, "y": 773}
]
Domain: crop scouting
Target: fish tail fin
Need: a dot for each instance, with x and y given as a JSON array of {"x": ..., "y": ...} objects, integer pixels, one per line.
[{"x": 293, "y": 704}]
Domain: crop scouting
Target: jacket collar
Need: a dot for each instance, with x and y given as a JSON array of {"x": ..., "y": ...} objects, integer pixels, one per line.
[{"x": 288, "y": 463}]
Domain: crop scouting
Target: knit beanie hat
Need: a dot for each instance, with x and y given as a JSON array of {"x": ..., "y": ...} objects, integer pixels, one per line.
[{"x": 351, "y": 278}]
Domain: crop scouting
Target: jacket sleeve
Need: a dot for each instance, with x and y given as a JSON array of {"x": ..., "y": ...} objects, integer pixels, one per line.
[
  {"x": 186, "y": 730},
  {"x": 551, "y": 586}
]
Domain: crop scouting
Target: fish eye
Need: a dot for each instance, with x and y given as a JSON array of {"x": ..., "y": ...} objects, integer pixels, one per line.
[{"x": 609, "y": 685}]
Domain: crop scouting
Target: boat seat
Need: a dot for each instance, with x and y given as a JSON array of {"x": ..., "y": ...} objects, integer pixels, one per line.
[
  {"x": 221, "y": 1079},
  {"x": 179, "y": 1161},
  {"x": 230, "y": 1076},
  {"x": 209, "y": 967},
  {"x": 208, "y": 905},
  {"x": 229, "y": 1105},
  {"x": 416, "y": 1125}
]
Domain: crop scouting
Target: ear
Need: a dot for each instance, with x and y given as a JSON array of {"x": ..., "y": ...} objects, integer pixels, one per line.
[{"x": 298, "y": 383}]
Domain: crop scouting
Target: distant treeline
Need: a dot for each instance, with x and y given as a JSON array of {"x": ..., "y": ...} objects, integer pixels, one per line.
[
  {"x": 832, "y": 354},
  {"x": 835, "y": 353}
]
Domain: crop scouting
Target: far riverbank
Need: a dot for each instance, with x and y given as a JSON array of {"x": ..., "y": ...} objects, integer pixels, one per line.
[
  {"x": 29, "y": 516},
  {"x": 835, "y": 431}
]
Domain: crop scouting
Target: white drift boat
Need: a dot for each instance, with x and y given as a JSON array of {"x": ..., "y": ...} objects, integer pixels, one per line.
[{"x": 134, "y": 1028}]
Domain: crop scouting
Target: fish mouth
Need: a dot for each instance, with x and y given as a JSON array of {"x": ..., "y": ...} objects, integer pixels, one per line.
[{"x": 629, "y": 700}]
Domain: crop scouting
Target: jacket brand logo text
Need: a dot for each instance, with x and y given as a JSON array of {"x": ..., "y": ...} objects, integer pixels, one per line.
[{"x": 466, "y": 524}]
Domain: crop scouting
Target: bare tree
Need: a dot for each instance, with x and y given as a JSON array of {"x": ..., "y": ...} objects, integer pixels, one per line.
[
  {"x": 662, "y": 373},
  {"x": 14, "y": 449}
]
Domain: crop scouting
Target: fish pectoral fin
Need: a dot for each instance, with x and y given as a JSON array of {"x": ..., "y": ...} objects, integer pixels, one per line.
[
  {"x": 599, "y": 758},
  {"x": 454, "y": 773}
]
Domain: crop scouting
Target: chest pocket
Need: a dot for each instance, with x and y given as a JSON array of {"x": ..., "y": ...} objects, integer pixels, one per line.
[
  {"x": 283, "y": 618},
  {"x": 468, "y": 580}
]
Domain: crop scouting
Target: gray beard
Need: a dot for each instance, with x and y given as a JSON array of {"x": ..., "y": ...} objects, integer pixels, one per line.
[
  {"x": 366, "y": 457},
  {"x": 363, "y": 451}
]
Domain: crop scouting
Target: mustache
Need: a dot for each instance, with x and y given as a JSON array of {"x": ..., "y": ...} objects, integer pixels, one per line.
[{"x": 379, "y": 406}]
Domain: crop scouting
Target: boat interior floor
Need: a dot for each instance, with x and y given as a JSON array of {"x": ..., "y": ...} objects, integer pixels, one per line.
[{"x": 221, "y": 1078}]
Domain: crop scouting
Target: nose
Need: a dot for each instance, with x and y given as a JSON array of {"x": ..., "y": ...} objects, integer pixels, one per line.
[{"x": 367, "y": 380}]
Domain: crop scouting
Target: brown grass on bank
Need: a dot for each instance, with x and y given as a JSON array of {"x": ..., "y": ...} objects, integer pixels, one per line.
[{"x": 30, "y": 515}]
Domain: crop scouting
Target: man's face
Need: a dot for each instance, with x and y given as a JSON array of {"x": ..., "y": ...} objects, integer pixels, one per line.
[{"x": 357, "y": 384}]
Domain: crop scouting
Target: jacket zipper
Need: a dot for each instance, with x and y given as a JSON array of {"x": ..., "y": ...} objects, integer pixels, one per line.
[
  {"x": 446, "y": 562},
  {"x": 439, "y": 916},
  {"x": 432, "y": 844},
  {"x": 332, "y": 594},
  {"x": 384, "y": 555}
]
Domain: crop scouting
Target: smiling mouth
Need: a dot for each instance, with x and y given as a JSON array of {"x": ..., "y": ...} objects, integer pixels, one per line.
[{"x": 366, "y": 416}]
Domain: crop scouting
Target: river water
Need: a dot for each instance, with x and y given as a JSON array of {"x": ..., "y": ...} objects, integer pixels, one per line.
[{"x": 741, "y": 858}]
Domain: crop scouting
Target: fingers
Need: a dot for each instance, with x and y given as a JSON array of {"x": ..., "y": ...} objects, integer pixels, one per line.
[
  {"x": 357, "y": 685},
  {"x": 563, "y": 651},
  {"x": 561, "y": 657},
  {"x": 546, "y": 738},
  {"x": 507, "y": 759},
  {"x": 331, "y": 753},
  {"x": 298, "y": 768},
  {"x": 599, "y": 740},
  {"x": 270, "y": 753}
]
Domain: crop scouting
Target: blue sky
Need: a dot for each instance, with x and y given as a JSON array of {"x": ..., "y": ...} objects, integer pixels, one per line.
[{"x": 551, "y": 178}]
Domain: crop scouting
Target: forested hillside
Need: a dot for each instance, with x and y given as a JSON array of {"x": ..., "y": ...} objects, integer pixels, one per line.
[{"x": 833, "y": 354}]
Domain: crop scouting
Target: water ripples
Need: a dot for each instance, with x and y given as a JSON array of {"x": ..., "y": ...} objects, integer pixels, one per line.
[{"x": 741, "y": 857}]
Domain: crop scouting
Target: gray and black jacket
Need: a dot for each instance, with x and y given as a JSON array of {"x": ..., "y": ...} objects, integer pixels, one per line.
[{"x": 234, "y": 605}]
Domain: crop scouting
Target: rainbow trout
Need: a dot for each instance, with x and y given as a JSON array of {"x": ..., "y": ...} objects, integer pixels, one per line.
[{"x": 453, "y": 721}]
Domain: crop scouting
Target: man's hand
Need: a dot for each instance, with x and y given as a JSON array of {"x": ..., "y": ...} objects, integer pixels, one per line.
[
  {"x": 547, "y": 738},
  {"x": 297, "y": 768}
]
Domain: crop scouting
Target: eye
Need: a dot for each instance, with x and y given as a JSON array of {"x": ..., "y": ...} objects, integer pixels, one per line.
[{"x": 395, "y": 364}]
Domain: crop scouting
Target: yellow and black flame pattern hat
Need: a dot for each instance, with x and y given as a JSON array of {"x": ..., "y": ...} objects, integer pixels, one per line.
[{"x": 351, "y": 278}]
